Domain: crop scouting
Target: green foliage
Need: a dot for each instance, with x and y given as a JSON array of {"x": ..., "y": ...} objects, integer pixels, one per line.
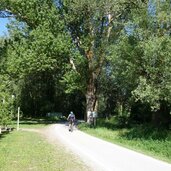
[
  {"x": 147, "y": 93},
  {"x": 40, "y": 51},
  {"x": 120, "y": 75},
  {"x": 37, "y": 52},
  {"x": 154, "y": 85},
  {"x": 138, "y": 63},
  {"x": 83, "y": 126},
  {"x": 38, "y": 43},
  {"x": 115, "y": 51},
  {"x": 6, "y": 104},
  {"x": 5, "y": 115},
  {"x": 6, "y": 88},
  {"x": 72, "y": 81}
]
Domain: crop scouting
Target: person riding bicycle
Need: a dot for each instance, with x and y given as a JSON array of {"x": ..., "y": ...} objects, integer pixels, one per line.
[{"x": 71, "y": 119}]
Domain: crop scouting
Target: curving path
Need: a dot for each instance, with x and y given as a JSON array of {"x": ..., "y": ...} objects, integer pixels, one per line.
[{"x": 100, "y": 155}]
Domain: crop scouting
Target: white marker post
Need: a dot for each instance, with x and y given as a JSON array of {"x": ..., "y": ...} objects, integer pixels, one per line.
[{"x": 18, "y": 119}]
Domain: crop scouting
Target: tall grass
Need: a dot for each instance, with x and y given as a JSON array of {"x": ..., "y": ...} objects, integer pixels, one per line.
[{"x": 143, "y": 138}]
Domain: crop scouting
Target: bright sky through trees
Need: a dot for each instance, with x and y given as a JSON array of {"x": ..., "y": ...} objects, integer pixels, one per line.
[{"x": 3, "y": 23}]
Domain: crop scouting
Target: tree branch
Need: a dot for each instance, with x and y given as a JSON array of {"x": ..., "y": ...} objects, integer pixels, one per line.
[{"x": 72, "y": 63}]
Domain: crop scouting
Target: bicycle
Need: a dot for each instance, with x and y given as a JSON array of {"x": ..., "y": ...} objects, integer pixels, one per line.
[{"x": 71, "y": 125}]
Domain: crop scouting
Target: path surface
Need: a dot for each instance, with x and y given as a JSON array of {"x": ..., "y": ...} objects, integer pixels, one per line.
[{"x": 100, "y": 155}]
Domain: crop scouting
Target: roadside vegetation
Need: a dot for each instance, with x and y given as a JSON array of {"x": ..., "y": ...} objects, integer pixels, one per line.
[
  {"x": 21, "y": 150},
  {"x": 155, "y": 142},
  {"x": 111, "y": 57}
]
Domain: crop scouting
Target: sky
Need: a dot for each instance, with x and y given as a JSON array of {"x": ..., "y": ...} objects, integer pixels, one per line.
[{"x": 3, "y": 29}]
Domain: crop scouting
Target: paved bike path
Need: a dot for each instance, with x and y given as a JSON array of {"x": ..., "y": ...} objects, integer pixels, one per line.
[{"x": 104, "y": 156}]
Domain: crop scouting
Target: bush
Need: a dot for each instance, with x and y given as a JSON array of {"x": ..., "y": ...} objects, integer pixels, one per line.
[
  {"x": 83, "y": 126},
  {"x": 5, "y": 117}
]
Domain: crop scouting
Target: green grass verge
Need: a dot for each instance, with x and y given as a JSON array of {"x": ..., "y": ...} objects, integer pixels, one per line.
[
  {"x": 21, "y": 150},
  {"x": 152, "y": 142}
]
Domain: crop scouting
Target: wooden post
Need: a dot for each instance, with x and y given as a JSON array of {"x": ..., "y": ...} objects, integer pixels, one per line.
[{"x": 18, "y": 118}]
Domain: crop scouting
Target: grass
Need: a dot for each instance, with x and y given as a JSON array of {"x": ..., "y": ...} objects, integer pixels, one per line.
[
  {"x": 21, "y": 150},
  {"x": 34, "y": 122},
  {"x": 141, "y": 138}
]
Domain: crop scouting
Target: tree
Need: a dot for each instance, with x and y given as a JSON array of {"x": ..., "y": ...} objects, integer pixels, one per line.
[
  {"x": 120, "y": 74},
  {"x": 83, "y": 42},
  {"x": 6, "y": 100},
  {"x": 138, "y": 65},
  {"x": 93, "y": 26},
  {"x": 154, "y": 83},
  {"x": 143, "y": 51},
  {"x": 37, "y": 51}
]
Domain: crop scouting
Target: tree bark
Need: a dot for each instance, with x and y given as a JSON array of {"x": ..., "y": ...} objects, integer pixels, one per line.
[{"x": 91, "y": 96}]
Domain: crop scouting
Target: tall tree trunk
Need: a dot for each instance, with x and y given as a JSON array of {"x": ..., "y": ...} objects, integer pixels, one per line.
[
  {"x": 91, "y": 96},
  {"x": 94, "y": 71}
]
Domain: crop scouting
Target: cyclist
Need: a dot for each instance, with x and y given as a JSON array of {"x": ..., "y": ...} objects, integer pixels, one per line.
[{"x": 71, "y": 119}]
